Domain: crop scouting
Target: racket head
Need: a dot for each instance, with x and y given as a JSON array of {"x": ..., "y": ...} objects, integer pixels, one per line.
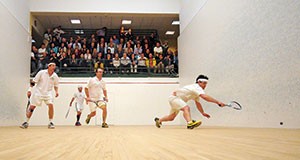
[{"x": 235, "y": 105}]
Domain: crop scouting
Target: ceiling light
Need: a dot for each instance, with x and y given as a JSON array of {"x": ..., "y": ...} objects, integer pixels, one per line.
[
  {"x": 175, "y": 23},
  {"x": 170, "y": 32},
  {"x": 126, "y": 21},
  {"x": 78, "y": 31},
  {"x": 75, "y": 21}
]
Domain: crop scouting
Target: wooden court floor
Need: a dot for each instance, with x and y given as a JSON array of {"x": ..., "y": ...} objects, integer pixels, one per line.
[{"x": 148, "y": 142}]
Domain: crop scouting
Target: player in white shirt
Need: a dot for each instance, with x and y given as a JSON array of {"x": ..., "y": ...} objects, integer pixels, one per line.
[
  {"x": 178, "y": 102},
  {"x": 45, "y": 81},
  {"x": 96, "y": 95},
  {"x": 79, "y": 97}
]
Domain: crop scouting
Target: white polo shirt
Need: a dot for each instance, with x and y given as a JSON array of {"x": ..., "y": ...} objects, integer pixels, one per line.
[
  {"x": 79, "y": 96},
  {"x": 190, "y": 92},
  {"x": 44, "y": 83},
  {"x": 96, "y": 88}
]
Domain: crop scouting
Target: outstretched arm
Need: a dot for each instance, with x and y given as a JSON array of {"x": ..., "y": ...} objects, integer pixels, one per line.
[
  {"x": 200, "y": 109},
  {"x": 211, "y": 99}
]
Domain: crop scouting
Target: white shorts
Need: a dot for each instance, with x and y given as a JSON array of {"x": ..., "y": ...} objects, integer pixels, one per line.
[
  {"x": 100, "y": 104},
  {"x": 36, "y": 100},
  {"x": 78, "y": 107},
  {"x": 176, "y": 104}
]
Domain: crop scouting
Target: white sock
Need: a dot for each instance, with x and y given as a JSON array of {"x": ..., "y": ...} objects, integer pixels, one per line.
[
  {"x": 27, "y": 119},
  {"x": 50, "y": 120}
]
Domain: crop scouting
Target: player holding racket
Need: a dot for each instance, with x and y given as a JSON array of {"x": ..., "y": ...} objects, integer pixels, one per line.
[
  {"x": 178, "y": 102},
  {"x": 94, "y": 92},
  {"x": 79, "y": 97},
  {"x": 45, "y": 81}
]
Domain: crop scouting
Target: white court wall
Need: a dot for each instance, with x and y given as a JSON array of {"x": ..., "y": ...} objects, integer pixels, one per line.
[
  {"x": 15, "y": 57},
  {"x": 105, "y": 6},
  {"x": 250, "y": 52},
  {"x": 132, "y": 101}
]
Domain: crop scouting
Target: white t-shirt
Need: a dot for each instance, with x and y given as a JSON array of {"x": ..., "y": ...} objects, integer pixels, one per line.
[
  {"x": 79, "y": 96},
  {"x": 190, "y": 92},
  {"x": 96, "y": 88},
  {"x": 44, "y": 83}
]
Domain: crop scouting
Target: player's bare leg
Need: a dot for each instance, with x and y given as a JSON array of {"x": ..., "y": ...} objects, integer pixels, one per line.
[
  {"x": 50, "y": 114},
  {"x": 89, "y": 116},
  {"x": 104, "y": 115},
  {"x": 170, "y": 117}
]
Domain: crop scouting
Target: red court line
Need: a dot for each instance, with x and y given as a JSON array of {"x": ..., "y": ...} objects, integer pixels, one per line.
[{"x": 123, "y": 82}]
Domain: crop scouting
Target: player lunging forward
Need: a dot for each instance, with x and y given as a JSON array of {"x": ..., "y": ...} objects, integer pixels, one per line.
[{"x": 178, "y": 102}]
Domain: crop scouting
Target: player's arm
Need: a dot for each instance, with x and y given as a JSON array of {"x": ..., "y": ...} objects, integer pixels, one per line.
[
  {"x": 86, "y": 90},
  {"x": 72, "y": 101},
  {"x": 105, "y": 95},
  {"x": 200, "y": 109},
  {"x": 211, "y": 99},
  {"x": 56, "y": 91}
]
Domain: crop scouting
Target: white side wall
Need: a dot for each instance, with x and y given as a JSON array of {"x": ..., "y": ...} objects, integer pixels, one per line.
[
  {"x": 188, "y": 10},
  {"x": 15, "y": 53},
  {"x": 250, "y": 51},
  {"x": 132, "y": 101},
  {"x": 116, "y": 6}
]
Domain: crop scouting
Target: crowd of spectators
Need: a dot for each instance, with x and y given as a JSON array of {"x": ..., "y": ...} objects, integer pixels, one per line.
[{"x": 123, "y": 53}]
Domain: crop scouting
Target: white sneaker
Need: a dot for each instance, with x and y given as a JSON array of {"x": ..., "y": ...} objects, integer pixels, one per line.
[{"x": 51, "y": 125}]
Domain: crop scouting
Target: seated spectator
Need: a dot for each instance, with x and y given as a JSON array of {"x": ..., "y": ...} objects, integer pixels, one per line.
[
  {"x": 108, "y": 64},
  {"x": 63, "y": 60},
  {"x": 111, "y": 47},
  {"x": 116, "y": 63},
  {"x": 76, "y": 45},
  {"x": 125, "y": 63},
  {"x": 88, "y": 56},
  {"x": 168, "y": 64},
  {"x": 157, "y": 50},
  {"x": 133, "y": 64},
  {"x": 138, "y": 49},
  {"x": 115, "y": 40},
  {"x": 42, "y": 49},
  {"x": 99, "y": 62},
  {"x": 165, "y": 48},
  {"x": 82, "y": 61},
  {"x": 160, "y": 64},
  {"x": 151, "y": 64},
  {"x": 44, "y": 61},
  {"x": 53, "y": 48},
  {"x": 142, "y": 67},
  {"x": 34, "y": 59},
  {"x": 73, "y": 61},
  {"x": 62, "y": 47}
]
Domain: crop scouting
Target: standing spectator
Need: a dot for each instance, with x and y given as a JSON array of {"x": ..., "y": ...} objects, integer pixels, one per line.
[{"x": 47, "y": 37}]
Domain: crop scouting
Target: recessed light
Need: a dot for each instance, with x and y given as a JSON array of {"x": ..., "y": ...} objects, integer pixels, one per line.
[
  {"x": 170, "y": 32},
  {"x": 75, "y": 21},
  {"x": 126, "y": 21},
  {"x": 175, "y": 23}
]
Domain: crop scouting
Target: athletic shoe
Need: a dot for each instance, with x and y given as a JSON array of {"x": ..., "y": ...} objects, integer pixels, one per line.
[
  {"x": 193, "y": 124},
  {"x": 104, "y": 125},
  {"x": 87, "y": 121},
  {"x": 51, "y": 125},
  {"x": 24, "y": 125},
  {"x": 77, "y": 124},
  {"x": 157, "y": 123}
]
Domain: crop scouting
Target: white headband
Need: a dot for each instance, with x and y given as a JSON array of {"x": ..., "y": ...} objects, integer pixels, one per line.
[
  {"x": 51, "y": 63},
  {"x": 202, "y": 80}
]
